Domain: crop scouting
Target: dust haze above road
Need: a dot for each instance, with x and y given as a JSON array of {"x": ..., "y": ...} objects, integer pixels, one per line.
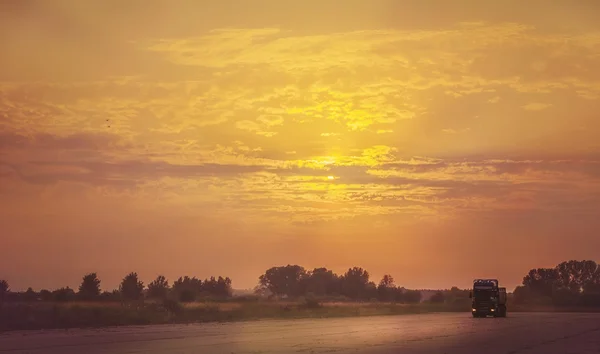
[{"x": 527, "y": 333}]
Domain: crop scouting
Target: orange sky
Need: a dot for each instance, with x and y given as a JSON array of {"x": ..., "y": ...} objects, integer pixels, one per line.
[{"x": 462, "y": 137}]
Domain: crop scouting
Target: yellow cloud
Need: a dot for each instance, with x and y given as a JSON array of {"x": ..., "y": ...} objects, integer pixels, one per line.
[
  {"x": 219, "y": 130},
  {"x": 257, "y": 119},
  {"x": 536, "y": 106}
]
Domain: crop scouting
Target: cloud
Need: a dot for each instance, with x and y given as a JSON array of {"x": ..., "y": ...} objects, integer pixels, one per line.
[
  {"x": 452, "y": 131},
  {"x": 373, "y": 181},
  {"x": 432, "y": 119},
  {"x": 124, "y": 172},
  {"x": 536, "y": 106},
  {"x": 439, "y": 124}
]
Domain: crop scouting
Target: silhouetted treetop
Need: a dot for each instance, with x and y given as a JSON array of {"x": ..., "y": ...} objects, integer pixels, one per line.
[
  {"x": 569, "y": 283},
  {"x": 4, "y": 289},
  {"x": 158, "y": 288},
  {"x": 90, "y": 287},
  {"x": 63, "y": 294},
  {"x": 387, "y": 281},
  {"x": 284, "y": 280},
  {"x": 131, "y": 287},
  {"x": 294, "y": 281}
]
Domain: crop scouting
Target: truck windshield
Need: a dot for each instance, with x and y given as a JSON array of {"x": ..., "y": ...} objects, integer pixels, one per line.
[{"x": 483, "y": 294}]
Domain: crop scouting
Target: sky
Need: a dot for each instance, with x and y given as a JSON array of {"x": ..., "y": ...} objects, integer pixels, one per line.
[{"x": 436, "y": 141}]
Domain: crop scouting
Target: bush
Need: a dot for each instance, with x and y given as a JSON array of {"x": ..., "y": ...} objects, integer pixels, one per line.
[
  {"x": 246, "y": 298},
  {"x": 172, "y": 306},
  {"x": 310, "y": 303},
  {"x": 589, "y": 299},
  {"x": 187, "y": 295},
  {"x": 437, "y": 298},
  {"x": 564, "y": 297}
]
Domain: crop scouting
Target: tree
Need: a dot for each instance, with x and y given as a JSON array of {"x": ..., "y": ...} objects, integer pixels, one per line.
[
  {"x": 158, "y": 288},
  {"x": 354, "y": 283},
  {"x": 541, "y": 281},
  {"x": 63, "y": 294},
  {"x": 222, "y": 287},
  {"x": 386, "y": 290},
  {"x": 370, "y": 292},
  {"x": 186, "y": 289},
  {"x": 45, "y": 295},
  {"x": 522, "y": 294},
  {"x": 90, "y": 287},
  {"x": 321, "y": 282},
  {"x": 564, "y": 297},
  {"x": 593, "y": 287},
  {"x": 437, "y": 298},
  {"x": 387, "y": 281},
  {"x": 575, "y": 276},
  {"x": 131, "y": 287},
  {"x": 455, "y": 295},
  {"x": 187, "y": 295},
  {"x": 114, "y": 295},
  {"x": 285, "y": 280},
  {"x": 4, "y": 289},
  {"x": 564, "y": 285},
  {"x": 589, "y": 299},
  {"x": 30, "y": 295},
  {"x": 412, "y": 296},
  {"x": 262, "y": 291},
  {"x": 208, "y": 286}
]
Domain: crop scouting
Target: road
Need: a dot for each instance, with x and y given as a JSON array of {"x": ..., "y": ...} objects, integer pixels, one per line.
[{"x": 519, "y": 333}]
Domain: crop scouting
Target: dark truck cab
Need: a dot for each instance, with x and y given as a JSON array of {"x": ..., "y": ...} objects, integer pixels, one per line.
[{"x": 487, "y": 298}]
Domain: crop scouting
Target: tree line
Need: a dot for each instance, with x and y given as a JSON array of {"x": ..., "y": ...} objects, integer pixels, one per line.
[
  {"x": 184, "y": 289},
  {"x": 570, "y": 283},
  {"x": 292, "y": 281}
]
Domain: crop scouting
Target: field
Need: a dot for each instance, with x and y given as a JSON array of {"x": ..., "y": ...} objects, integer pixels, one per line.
[{"x": 46, "y": 315}]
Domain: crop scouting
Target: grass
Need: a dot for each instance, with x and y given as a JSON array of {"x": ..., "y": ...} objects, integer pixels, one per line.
[{"x": 47, "y": 315}]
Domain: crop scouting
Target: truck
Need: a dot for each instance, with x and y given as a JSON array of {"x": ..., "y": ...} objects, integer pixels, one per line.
[{"x": 487, "y": 298}]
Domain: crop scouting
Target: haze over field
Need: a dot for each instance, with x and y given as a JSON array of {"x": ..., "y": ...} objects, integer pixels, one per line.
[{"x": 436, "y": 141}]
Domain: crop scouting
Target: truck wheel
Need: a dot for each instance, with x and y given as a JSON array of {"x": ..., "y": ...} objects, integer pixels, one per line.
[{"x": 502, "y": 311}]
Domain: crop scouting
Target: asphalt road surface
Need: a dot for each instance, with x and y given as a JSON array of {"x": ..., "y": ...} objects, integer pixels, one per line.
[{"x": 534, "y": 333}]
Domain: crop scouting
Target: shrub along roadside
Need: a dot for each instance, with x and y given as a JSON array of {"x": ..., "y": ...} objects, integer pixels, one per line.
[
  {"x": 29, "y": 316},
  {"x": 25, "y": 316}
]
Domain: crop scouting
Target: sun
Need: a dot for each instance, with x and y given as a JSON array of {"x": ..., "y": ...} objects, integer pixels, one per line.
[{"x": 331, "y": 178}]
